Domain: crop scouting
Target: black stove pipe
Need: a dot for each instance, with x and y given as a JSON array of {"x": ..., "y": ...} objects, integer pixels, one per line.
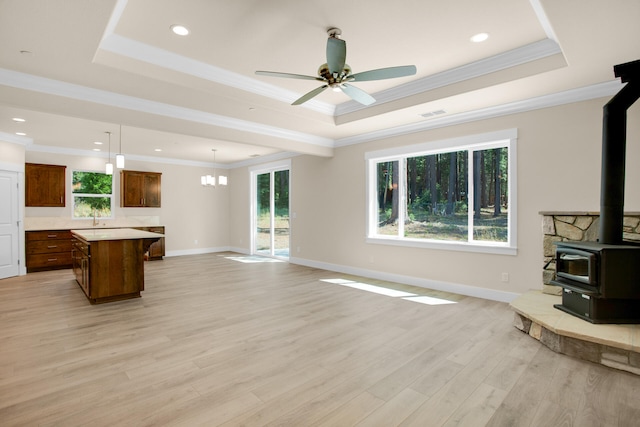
[{"x": 614, "y": 148}]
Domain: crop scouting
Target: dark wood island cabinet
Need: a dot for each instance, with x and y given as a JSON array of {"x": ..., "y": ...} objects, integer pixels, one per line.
[{"x": 109, "y": 263}]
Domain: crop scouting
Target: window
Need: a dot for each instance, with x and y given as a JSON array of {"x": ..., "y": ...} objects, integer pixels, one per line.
[
  {"x": 92, "y": 194},
  {"x": 455, "y": 194}
]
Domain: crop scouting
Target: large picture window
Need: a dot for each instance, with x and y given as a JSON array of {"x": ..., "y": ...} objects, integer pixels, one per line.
[
  {"x": 455, "y": 194},
  {"x": 92, "y": 194}
]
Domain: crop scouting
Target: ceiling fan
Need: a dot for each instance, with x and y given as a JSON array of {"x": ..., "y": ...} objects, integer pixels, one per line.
[{"x": 336, "y": 74}]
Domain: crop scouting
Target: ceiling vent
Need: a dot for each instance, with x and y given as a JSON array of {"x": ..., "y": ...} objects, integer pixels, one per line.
[{"x": 433, "y": 113}]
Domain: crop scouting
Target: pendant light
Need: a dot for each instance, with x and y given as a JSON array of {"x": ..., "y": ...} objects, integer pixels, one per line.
[
  {"x": 210, "y": 180},
  {"x": 222, "y": 180},
  {"x": 120, "y": 156},
  {"x": 109, "y": 165}
]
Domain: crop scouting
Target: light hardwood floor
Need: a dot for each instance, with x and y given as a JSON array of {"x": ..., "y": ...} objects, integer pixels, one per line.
[{"x": 214, "y": 341}]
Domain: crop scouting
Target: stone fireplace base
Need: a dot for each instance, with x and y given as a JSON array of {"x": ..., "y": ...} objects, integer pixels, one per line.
[{"x": 616, "y": 346}]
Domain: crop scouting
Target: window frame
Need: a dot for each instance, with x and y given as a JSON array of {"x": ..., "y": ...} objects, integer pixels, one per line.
[
  {"x": 504, "y": 138},
  {"x": 73, "y": 196}
]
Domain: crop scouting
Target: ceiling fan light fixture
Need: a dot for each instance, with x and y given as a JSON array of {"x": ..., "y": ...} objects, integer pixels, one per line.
[{"x": 336, "y": 73}]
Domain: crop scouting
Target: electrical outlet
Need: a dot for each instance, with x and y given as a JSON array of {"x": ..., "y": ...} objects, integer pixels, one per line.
[
  {"x": 505, "y": 277},
  {"x": 195, "y": 242}
]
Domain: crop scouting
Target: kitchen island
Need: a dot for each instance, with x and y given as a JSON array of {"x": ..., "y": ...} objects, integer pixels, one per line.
[{"x": 109, "y": 262}]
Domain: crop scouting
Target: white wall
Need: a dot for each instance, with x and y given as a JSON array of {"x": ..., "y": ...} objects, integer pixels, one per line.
[
  {"x": 189, "y": 211},
  {"x": 558, "y": 169}
]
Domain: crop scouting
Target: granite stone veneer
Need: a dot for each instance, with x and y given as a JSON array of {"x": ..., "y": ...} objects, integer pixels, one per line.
[
  {"x": 615, "y": 346},
  {"x": 578, "y": 227}
]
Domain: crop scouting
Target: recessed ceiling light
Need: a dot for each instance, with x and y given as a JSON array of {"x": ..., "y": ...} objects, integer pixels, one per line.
[
  {"x": 97, "y": 142},
  {"x": 480, "y": 37},
  {"x": 20, "y": 133},
  {"x": 180, "y": 30},
  {"x": 158, "y": 149},
  {"x": 18, "y": 119}
]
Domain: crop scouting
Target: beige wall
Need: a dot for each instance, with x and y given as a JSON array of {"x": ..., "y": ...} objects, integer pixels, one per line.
[
  {"x": 11, "y": 155},
  {"x": 558, "y": 169},
  {"x": 189, "y": 211}
]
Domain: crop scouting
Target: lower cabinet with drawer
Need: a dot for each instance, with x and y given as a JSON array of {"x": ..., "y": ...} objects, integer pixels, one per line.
[{"x": 48, "y": 250}]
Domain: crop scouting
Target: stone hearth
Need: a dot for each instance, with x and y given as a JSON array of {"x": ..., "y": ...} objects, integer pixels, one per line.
[{"x": 616, "y": 346}]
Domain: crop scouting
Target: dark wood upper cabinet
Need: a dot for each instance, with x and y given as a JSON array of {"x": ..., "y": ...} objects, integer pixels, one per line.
[
  {"x": 45, "y": 185},
  {"x": 140, "y": 189}
]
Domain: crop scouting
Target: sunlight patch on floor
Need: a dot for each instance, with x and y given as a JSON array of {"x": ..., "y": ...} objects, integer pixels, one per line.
[
  {"x": 394, "y": 293},
  {"x": 429, "y": 300}
]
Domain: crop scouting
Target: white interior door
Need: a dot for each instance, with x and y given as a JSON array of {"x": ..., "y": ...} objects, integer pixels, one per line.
[{"x": 8, "y": 224}]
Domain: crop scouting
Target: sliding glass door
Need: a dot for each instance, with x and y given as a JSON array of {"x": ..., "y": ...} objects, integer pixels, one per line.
[{"x": 271, "y": 227}]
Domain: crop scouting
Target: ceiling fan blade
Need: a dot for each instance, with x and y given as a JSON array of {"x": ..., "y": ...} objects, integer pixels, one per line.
[
  {"x": 384, "y": 73},
  {"x": 336, "y": 54},
  {"x": 304, "y": 98},
  {"x": 357, "y": 94},
  {"x": 287, "y": 75}
]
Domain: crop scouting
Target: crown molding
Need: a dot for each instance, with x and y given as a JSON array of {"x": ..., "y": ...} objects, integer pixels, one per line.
[
  {"x": 97, "y": 96},
  {"x": 264, "y": 159},
  {"x": 499, "y": 62},
  {"x": 16, "y": 139},
  {"x": 162, "y": 160},
  {"x": 566, "y": 97},
  {"x": 543, "y": 19}
]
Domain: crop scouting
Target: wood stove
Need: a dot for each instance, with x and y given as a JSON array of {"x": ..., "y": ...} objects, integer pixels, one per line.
[{"x": 601, "y": 280}]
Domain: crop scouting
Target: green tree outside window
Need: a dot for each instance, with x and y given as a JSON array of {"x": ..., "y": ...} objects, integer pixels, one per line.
[{"x": 92, "y": 194}]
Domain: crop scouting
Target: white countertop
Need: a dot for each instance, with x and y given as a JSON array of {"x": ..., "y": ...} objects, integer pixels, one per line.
[{"x": 97, "y": 234}]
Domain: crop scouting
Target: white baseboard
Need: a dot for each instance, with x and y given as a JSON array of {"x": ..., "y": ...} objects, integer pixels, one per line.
[
  {"x": 198, "y": 251},
  {"x": 490, "y": 294}
]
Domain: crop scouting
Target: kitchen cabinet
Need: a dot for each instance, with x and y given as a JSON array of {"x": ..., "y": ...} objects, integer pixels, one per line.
[
  {"x": 80, "y": 259},
  {"x": 156, "y": 250},
  {"x": 48, "y": 250},
  {"x": 108, "y": 263},
  {"x": 140, "y": 189},
  {"x": 44, "y": 185}
]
